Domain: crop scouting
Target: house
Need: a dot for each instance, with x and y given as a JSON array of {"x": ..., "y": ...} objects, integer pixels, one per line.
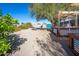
[{"x": 69, "y": 22}]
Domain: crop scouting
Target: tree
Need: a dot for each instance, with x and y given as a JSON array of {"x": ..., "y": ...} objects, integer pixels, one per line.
[{"x": 46, "y": 10}]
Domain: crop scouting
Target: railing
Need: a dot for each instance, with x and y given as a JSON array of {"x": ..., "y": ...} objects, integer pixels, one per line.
[
  {"x": 73, "y": 42},
  {"x": 65, "y": 31}
]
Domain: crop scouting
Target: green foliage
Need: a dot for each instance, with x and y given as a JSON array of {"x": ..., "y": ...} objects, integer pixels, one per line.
[
  {"x": 4, "y": 47},
  {"x": 17, "y": 28},
  {"x": 7, "y": 23},
  {"x": 46, "y": 10},
  {"x": 26, "y": 26},
  {"x": 23, "y": 26},
  {"x": 1, "y": 12}
]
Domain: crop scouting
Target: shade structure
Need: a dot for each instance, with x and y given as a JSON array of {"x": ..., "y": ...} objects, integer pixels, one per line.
[
  {"x": 64, "y": 14},
  {"x": 74, "y": 5}
]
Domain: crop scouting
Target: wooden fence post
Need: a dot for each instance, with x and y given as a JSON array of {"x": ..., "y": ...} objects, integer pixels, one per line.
[{"x": 71, "y": 43}]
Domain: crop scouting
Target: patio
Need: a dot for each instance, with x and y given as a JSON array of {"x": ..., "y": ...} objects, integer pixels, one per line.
[{"x": 68, "y": 30}]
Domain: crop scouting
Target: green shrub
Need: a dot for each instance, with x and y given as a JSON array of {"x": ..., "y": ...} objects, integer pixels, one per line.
[
  {"x": 17, "y": 28},
  {"x": 26, "y": 26},
  {"x": 23, "y": 26},
  {"x": 6, "y": 27}
]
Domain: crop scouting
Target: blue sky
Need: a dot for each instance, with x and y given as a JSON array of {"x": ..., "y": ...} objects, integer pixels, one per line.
[{"x": 19, "y": 11}]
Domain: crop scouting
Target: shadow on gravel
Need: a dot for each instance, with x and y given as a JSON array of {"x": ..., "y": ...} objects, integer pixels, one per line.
[
  {"x": 52, "y": 47},
  {"x": 16, "y": 41},
  {"x": 61, "y": 45}
]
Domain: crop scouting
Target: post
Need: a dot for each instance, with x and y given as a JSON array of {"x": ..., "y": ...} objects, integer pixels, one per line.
[
  {"x": 69, "y": 26},
  {"x": 70, "y": 41},
  {"x": 76, "y": 22},
  {"x": 59, "y": 18},
  {"x": 58, "y": 28}
]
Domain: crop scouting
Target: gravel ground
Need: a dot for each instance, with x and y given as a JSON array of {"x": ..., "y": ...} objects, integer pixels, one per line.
[{"x": 36, "y": 43}]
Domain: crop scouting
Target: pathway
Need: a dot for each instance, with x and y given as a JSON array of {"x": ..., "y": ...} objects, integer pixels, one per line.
[{"x": 36, "y": 43}]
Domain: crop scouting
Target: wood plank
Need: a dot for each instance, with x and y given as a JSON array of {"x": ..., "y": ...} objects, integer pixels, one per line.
[
  {"x": 71, "y": 39},
  {"x": 64, "y": 43}
]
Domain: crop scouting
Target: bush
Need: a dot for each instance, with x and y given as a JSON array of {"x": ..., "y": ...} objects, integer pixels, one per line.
[
  {"x": 6, "y": 27},
  {"x": 26, "y": 26},
  {"x": 17, "y": 28},
  {"x": 23, "y": 26}
]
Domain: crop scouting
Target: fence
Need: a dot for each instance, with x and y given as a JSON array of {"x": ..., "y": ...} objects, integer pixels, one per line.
[{"x": 73, "y": 37}]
